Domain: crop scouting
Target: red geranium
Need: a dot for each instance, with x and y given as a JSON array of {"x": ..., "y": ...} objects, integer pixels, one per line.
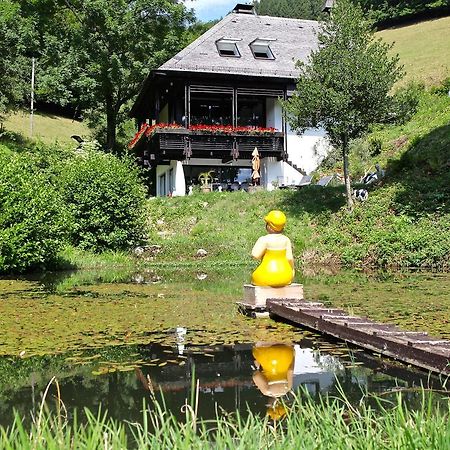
[
  {"x": 228, "y": 129},
  {"x": 149, "y": 130}
]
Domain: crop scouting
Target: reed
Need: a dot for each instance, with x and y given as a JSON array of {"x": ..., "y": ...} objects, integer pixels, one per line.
[{"x": 330, "y": 423}]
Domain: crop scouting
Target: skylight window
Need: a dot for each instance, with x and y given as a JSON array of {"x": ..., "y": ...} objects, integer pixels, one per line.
[
  {"x": 228, "y": 47},
  {"x": 261, "y": 49}
]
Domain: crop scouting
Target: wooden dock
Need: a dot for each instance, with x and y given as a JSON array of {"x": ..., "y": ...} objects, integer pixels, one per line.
[{"x": 416, "y": 348}]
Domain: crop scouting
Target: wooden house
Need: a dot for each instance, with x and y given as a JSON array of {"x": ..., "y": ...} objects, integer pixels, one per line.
[{"x": 208, "y": 107}]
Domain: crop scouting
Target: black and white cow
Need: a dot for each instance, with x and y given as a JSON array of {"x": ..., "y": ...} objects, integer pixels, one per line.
[
  {"x": 373, "y": 177},
  {"x": 361, "y": 195}
]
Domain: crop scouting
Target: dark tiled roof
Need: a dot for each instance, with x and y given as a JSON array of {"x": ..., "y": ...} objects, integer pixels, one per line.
[{"x": 290, "y": 40}]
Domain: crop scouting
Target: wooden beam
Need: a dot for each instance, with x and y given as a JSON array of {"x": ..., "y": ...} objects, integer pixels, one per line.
[{"x": 428, "y": 353}]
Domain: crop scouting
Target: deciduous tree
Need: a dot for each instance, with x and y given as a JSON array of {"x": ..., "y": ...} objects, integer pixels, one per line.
[
  {"x": 346, "y": 86},
  {"x": 102, "y": 51},
  {"x": 12, "y": 60}
]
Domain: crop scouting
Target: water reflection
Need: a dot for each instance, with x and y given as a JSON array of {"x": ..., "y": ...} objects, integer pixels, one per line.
[
  {"x": 258, "y": 376},
  {"x": 273, "y": 375},
  {"x": 182, "y": 309},
  {"x": 282, "y": 369}
]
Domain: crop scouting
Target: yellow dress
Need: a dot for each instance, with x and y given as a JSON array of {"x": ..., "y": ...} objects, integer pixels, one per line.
[
  {"x": 275, "y": 361},
  {"x": 275, "y": 269},
  {"x": 274, "y": 377}
]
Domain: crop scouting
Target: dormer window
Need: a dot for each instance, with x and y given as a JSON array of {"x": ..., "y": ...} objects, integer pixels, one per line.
[
  {"x": 228, "y": 47},
  {"x": 261, "y": 49}
]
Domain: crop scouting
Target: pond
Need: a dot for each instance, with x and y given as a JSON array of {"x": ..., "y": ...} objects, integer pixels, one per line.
[{"x": 112, "y": 338}]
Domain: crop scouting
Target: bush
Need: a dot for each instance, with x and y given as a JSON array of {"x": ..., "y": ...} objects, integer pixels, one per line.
[
  {"x": 33, "y": 220},
  {"x": 106, "y": 199}
]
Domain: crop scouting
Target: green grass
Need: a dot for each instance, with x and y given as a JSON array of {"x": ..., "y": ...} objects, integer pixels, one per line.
[
  {"x": 75, "y": 258},
  {"x": 404, "y": 222},
  {"x": 226, "y": 225},
  {"x": 47, "y": 128},
  {"x": 329, "y": 423},
  {"x": 424, "y": 49}
]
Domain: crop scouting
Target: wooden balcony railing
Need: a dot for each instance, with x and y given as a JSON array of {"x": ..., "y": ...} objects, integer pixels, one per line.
[{"x": 181, "y": 143}]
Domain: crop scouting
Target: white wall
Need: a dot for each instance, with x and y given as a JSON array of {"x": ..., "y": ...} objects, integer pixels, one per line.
[
  {"x": 271, "y": 171},
  {"x": 170, "y": 179},
  {"x": 290, "y": 175},
  {"x": 279, "y": 172},
  {"x": 179, "y": 190},
  {"x": 305, "y": 151},
  {"x": 308, "y": 150}
]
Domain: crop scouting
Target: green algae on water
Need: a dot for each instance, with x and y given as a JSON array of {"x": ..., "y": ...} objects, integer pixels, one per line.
[{"x": 39, "y": 320}]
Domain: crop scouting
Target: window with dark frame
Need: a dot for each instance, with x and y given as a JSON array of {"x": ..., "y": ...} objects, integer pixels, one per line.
[
  {"x": 211, "y": 109},
  {"x": 251, "y": 111},
  {"x": 261, "y": 49},
  {"x": 228, "y": 47}
]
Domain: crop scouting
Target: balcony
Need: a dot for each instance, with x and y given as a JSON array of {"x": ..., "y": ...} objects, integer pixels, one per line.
[{"x": 211, "y": 142}]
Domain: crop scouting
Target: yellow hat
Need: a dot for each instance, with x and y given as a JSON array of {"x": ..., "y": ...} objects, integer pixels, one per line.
[{"x": 276, "y": 220}]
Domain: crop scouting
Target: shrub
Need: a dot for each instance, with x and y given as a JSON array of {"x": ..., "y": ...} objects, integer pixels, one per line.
[
  {"x": 33, "y": 220},
  {"x": 106, "y": 199}
]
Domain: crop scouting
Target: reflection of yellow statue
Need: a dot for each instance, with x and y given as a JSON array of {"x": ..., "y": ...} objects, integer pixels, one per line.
[
  {"x": 276, "y": 411},
  {"x": 274, "y": 375},
  {"x": 275, "y": 250}
]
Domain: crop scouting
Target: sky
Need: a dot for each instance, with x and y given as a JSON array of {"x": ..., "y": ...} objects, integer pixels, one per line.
[{"x": 212, "y": 9}]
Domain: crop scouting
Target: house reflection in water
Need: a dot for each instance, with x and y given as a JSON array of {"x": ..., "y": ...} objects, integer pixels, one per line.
[
  {"x": 315, "y": 371},
  {"x": 226, "y": 377},
  {"x": 230, "y": 377}
]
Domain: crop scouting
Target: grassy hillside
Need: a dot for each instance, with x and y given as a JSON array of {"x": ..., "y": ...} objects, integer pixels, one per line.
[
  {"x": 424, "y": 49},
  {"x": 405, "y": 221},
  {"x": 47, "y": 128}
]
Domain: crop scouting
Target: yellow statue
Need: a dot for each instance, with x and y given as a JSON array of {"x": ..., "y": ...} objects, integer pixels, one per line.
[
  {"x": 273, "y": 378},
  {"x": 275, "y": 250}
]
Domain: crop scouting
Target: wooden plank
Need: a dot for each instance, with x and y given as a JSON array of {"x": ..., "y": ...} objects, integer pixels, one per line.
[
  {"x": 389, "y": 340},
  {"x": 399, "y": 333},
  {"x": 307, "y": 305},
  {"x": 363, "y": 325},
  {"x": 251, "y": 310},
  {"x": 320, "y": 311},
  {"x": 426, "y": 342},
  {"x": 438, "y": 350},
  {"x": 339, "y": 317}
]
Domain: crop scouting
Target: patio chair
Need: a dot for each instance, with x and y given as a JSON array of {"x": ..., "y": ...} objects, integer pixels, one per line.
[
  {"x": 325, "y": 181},
  {"x": 305, "y": 181}
]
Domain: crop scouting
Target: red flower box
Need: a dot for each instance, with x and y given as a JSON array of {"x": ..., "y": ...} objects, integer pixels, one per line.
[
  {"x": 149, "y": 130},
  {"x": 228, "y": 129}
]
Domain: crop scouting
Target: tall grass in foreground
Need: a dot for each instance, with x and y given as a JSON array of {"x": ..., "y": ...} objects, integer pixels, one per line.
[{"x": 330, "y": 423}]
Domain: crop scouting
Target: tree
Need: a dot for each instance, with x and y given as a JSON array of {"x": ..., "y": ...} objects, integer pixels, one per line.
[
  {"x": 346, "y": 86},
  {"x": 102, "y": 51},
  {"x": 12, "y": 61},
  {"x": 382, "y": 11},
  {"x": 298, "y": 9}
]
